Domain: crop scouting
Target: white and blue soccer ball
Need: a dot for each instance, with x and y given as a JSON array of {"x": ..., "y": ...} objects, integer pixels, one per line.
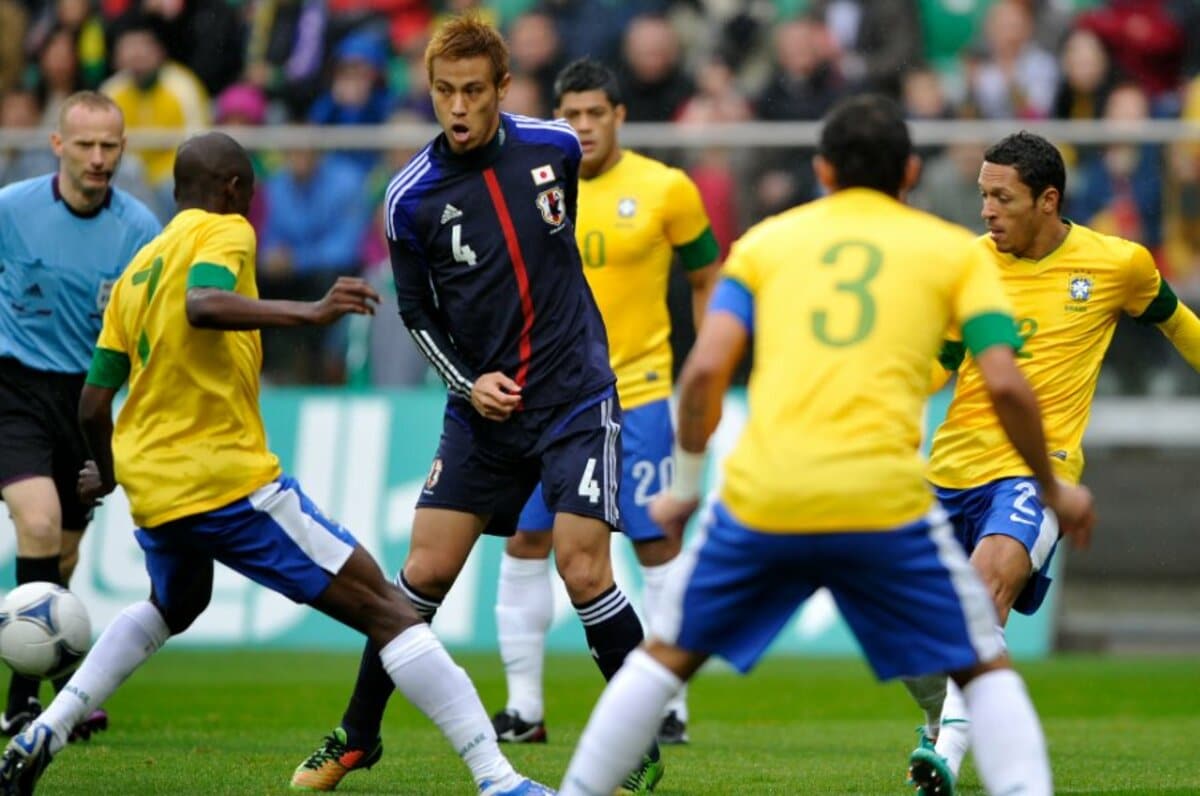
[{"x": 44, "y": 630}]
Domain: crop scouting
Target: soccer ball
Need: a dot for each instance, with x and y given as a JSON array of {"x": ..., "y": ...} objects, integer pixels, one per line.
[{"x": 44, "y": 630}]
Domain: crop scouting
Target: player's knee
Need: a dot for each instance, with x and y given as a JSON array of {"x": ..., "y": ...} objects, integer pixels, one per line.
[
  {"x": 585, "y": 576},
  {"x": 529, "y": 545},
  {"x": 656, "y": 552},
  {"x": 180, "y": 614},
  {"x": 429, "y": 577},
  {"x": 184, "y": 607},
  {"x": 38, "y": 533}
]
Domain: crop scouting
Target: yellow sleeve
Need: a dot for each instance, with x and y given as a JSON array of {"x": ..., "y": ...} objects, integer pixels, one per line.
[
  {"x": 686, "y": 216},
  {"x": 1182, "y": 328},
  {"x": 111, "y": 334},
  {"x": 1143, "y": 283},
  {"x": 979, "y": 291},
  {"x": 741, "y": 267},
  {"x": 225, "y": 251},
  {"x": 686, "y": 223}
]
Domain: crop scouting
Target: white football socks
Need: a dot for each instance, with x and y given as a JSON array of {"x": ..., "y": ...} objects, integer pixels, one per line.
[
  {"x": 424, "y": 672},
  {"x": 1006, "y": 736},
  {"x": 929, "y": 692},
  {"x": 622, "y": 727},
  {"x": 653, "y": 580},
  {"x": 136, "y": 634},
  {"x": 524, "y": 611},
  {"x": 955, "y": 737}
]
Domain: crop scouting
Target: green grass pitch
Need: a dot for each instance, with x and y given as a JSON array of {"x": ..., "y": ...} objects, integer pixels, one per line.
[{"x": 199, "y": 722}]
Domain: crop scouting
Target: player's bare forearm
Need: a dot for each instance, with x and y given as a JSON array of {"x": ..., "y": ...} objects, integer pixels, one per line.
[
  {"x": 95, "y": 420},
  {"x": 209, "y": 308},
  {"x": 1017, "y": 409},
  {"x": 705, "y": 378},
  {"x": 702, "y": 281}
]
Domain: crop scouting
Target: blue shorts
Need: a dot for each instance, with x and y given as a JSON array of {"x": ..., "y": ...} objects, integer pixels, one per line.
[
  {"x": 909, "y": 594},
  {"x": 647, "y": 469},
  {"x": 490, "y": 469},
  {"x": 275, "y": 536},
  {"x": 1010, "y": 507}
]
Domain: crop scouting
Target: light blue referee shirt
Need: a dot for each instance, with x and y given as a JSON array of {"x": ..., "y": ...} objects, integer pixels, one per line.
[{"x": 57, "y": 267}]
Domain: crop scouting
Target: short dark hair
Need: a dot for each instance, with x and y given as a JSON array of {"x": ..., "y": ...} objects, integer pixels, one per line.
[
  {"x": 587, "y": 74},
  {"x": 1038, "y": 162},
  {"x": 866, "y": 140}
]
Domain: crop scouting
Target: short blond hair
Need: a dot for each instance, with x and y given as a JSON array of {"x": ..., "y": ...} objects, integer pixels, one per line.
[
  {"x": 468, "y": 36},
  {"x": 93, "y": 100}
]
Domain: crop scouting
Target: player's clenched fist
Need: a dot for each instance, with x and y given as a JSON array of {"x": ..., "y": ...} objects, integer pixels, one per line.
[
  {"x": 348, "y": 295},
  {"x": 91, "y": 486},
  {"x": 495, "y": 396},
  {"x": 1075, "y": 509},
  {"x": 672, "y": 513}
]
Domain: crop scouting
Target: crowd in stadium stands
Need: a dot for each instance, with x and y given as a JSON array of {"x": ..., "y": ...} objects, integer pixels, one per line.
[{"x": 191, "y": 63}]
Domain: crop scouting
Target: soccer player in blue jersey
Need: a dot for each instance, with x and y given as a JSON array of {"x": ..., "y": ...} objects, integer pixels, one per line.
[
  {"x": 825, "y": 487},
  {"x": 64, "y": 239},
  {"x": 635, "y": 216},
  {"x": 490, "y": 285}
]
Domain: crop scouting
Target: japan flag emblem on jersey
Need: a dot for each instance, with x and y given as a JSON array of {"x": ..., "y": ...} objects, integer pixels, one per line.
[
  {"x": 553, "y": 206},
  {"x": 542, "y": 174}
]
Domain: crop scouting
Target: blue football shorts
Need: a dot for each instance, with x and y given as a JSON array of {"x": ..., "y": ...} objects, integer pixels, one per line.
[
  {"x": 572, "y": 453},
  {"x": 909, "y": 594},
  {"x": 647, "y": 468},
  {"x": 275, "y": 536},
  {"x": 1009, "y": 507}
]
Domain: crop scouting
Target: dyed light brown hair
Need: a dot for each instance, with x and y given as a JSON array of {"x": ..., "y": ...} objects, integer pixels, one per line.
[{"x": 468, "y": 36}]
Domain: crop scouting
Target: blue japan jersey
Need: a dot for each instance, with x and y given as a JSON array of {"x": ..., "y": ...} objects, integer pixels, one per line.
[
  {"x": 488, "y": 274},
  {"x": 57, "y": 268}
]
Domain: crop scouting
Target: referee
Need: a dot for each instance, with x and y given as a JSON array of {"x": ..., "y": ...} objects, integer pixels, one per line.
[{"x": 64, "y": 240}]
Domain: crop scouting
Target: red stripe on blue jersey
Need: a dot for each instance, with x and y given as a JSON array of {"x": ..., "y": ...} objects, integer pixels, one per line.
[{"x": 525, "y": 345}]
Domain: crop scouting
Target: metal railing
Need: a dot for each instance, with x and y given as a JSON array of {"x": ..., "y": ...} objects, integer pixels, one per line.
[{"x": 750, "y": 135}]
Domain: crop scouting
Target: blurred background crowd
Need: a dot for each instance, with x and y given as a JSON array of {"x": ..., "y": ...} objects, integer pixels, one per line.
[{"x": 193, "y": 63}]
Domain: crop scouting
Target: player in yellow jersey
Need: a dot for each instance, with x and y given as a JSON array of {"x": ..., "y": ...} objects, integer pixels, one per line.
[
  {"x": 1069, "y": 285},
  {"x": 635, "y": 215},
  {"x": 189, "y": 448},
  {"x": 847, "y": 299}
]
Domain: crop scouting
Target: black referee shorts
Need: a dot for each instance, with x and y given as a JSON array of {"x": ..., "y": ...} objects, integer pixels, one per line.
[{"x": 40, "y": 435}]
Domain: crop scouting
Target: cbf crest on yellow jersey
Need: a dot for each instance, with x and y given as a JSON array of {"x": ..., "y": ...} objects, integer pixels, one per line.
[
  {"x": 631, "y": 220},
  {"x": 189, "y": 437},
  {"x": 1066, "y": 307},
  {"x": 852, "y": 295}
]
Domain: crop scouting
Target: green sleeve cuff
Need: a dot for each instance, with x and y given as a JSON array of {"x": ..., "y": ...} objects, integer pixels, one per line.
[
  {"x": 210, "y": 275},
  {"x": 109, "y": 368},
  {"x": 989, "y": 329},
  {"x": 701, "y": 252},
  {"x": 1162, "y": 307},
  {"x": 952, "y": 354}
]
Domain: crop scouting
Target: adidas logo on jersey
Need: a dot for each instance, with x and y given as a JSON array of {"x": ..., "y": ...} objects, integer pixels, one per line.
[{"x": 449, "y": 213}]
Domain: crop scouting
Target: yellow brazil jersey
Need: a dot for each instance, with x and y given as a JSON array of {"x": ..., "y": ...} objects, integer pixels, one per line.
[
  {"x": 1066, "y": 307},
  {"x": 189, "y": 437},
  {"x": 631, "y": 219},
  {"x": 851, "y": 294}
]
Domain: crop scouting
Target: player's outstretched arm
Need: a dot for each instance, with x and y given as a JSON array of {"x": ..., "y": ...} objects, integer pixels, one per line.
[
  {"x": 212, "y": 308},
  {"x": 702, "y": 384},
  {"x": 1017, "y": 409},
  {"x": 97, "y": 478}
]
